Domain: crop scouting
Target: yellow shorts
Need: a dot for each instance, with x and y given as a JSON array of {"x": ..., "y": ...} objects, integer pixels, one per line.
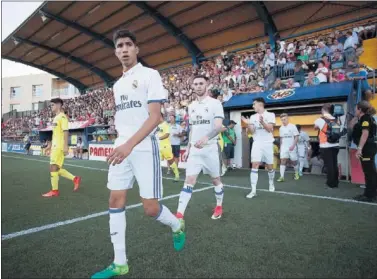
[
  {"x": 166, "y": 153},
  {"x": 57, "y": 157}
]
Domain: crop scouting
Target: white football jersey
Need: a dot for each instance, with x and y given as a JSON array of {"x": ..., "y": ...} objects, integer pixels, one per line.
[
  {"x": 138, "y": 87},
  {"x": 303, "y": 139},
  {"x": 260, "y": 134},
  {"x": 287, "y": 135},
  {"x": 201, "y": 117}
]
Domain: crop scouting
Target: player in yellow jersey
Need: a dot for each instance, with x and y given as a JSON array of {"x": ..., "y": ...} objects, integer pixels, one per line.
[
  {"x": 166, "y": 152},
  {"x": 59, "y": 148},
  {"x": 221, "y": 145}
]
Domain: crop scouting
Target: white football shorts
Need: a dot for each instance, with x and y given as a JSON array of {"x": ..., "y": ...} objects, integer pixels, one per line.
[
  {"x": 262, "y": 152},
  {"x": 286, "y": 154},
  {"x": 144, "y": 167},
  {"x": 206, "y": 159}
]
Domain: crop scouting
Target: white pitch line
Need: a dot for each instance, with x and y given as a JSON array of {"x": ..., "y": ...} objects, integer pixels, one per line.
[
  {"x": 229, "y": 186},
  {"x": 70, "y": 221},
  {"x": 83, "y": 218}
]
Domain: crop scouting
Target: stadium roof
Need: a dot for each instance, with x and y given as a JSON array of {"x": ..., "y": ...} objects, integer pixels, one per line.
[{"x": 72, "y": 40}]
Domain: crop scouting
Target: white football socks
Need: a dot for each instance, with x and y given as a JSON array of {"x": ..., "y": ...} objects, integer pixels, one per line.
[
  {"x": 302, "y": 162},
  {"x": 271, "y": 177},
  {"x": 282, "y": 170},
  {"x": 184, "y": 198},
  {"x": 117, "y": 225},
  {"x": 219, "y": 194},
  {"x": 167, "y": 218},
  {"x": 254, "y": 180}
]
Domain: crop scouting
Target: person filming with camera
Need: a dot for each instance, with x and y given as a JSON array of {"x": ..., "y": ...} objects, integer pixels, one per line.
[
  {"x": 364, "y": 135},
  {"x": 329, "y": 135}
]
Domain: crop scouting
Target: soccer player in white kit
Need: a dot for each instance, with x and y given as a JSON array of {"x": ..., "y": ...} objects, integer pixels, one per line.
[
  {"x": 138, "y": 96},
  {"x": 261, "y": 124},
  {"x": 303, "y": 146},
  {"x": 288, "y": 146},
  {"x": 206, "y": 120}
]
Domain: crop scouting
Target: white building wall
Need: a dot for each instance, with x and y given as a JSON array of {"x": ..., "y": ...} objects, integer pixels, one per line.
[
  {"x": 25, "y": 99},
  {"x": 51, "y": 88}
]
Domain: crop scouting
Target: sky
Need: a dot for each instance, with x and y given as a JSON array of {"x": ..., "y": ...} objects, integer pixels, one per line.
[{"x": 12, "y": 15}]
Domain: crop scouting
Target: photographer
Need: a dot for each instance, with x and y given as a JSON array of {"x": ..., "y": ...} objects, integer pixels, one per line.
[
  {"x": 364, "y": 132},
  {"x": 329, "y": 135}
]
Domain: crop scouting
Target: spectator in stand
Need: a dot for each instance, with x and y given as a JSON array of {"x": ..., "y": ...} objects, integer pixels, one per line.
[
  {"x": 303, "y": 56},
  {"x": 369, "y": 31},
  {"x": 312, "y": 80},
  {"x": 321, "y": 50},
  {"x": 349, "y": 48},
  {"x": 326, "y": 62},
  {"x": 336, "y": 76},
  {"x": 279, "y": 85},
  {"x": 299, "y": 72},
  {"x": 321, "y": 72},
  {"x": 336, "y": 46},
  {"x": 269, "y": 60},
  {"x": 292, "y": 84},
  {"x": 337, "y": 57},
  {"x": 361, "y": 75}
]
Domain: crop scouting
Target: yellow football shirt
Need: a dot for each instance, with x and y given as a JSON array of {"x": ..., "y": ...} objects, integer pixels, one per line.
[
  {"x": 221, "y": 141},
  {"x": 163, "y": 129},
  {"x": 59, "y": 125}
]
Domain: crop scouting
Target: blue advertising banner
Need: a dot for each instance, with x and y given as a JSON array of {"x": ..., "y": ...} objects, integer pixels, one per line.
[
  {"x": 16, "y": 147},
  {"x": 326, "y": 91}
]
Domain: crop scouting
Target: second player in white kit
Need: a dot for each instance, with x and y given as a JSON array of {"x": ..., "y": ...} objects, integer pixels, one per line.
[
  {"x": 202, "y": 153},
  {"x": 303, "y": 146},
  {"x": 261, "y": 124},
  {"x": 288, "y": 146}
]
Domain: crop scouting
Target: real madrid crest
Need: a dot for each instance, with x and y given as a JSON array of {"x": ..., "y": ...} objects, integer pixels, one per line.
[{"x": 134, "y": 84}]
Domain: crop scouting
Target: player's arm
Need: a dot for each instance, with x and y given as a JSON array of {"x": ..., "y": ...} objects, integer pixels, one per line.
[
  {"x": 64, "y": 123},
  {"x": 165, "y": 136},
  {"x": 296, "y": 136},
  {"x": 148, "y": 126},
  {"x": 249, "y": 126},
  {"x": 364, "y": 135},
  {"x": 268, "y": 124},
  {"x": 217, "y": 125},
  {"x": 217, "y": 128}
]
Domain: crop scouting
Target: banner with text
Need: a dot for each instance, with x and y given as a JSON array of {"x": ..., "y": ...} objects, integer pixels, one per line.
[{"x": 99, "y": 152}]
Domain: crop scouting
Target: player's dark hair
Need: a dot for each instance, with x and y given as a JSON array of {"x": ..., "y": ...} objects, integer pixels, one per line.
[
  {"x": 123, "y": 33},
  {"x": 200, "y": 76},
  {"x": 57, "y": 101},
  {"x": 298, "y": 127},
  {"x": 259, "y": 100},
  {"x": 283, "y": 115}
]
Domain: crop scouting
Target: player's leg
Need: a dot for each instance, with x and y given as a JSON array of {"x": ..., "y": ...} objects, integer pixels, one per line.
[
  {"x": 256, "y": 158},
  {"x": 212, "y": 167},
  {"x": 293, "y": 158},
  {"x": 56, "y": 161},
  {"x": 301, "y": 160},
  {"x": 284, "y": 155},
  {"x": 66, "y": 174},
  {"x": 170, "y": 158},
  {"x": 268, "y": 154},
  {"x": 120, "y": 179},
  {"x": 149, "y": 179},
  {"x": 194, "y": 166}
]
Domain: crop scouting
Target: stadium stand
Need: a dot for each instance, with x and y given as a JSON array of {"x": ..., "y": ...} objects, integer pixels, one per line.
[{"x": 321, "y": 55}]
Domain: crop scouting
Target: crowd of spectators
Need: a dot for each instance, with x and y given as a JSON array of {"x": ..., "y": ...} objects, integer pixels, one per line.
[{"x": 305, "y": 62}]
